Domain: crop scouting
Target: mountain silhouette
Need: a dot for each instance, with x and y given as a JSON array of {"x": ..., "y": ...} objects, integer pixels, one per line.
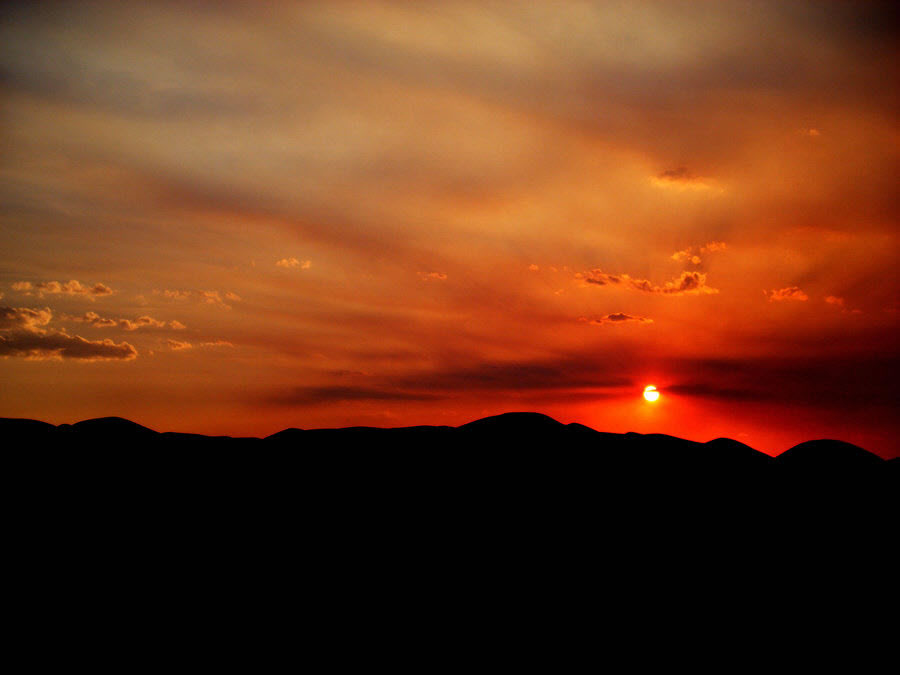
[{"x": 522, "y": 433}]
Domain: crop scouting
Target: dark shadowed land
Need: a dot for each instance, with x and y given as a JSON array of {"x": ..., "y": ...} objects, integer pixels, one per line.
[
  {"x": 518, "y": 507},
  {"x": 511, "y": 450}
]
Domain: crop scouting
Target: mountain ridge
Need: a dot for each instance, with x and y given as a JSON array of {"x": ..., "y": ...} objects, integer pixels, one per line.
[{"x": 510, "y": 424}]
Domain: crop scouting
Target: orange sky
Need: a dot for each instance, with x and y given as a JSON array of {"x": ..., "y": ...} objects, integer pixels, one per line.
[{"x": 235, "y": 218}]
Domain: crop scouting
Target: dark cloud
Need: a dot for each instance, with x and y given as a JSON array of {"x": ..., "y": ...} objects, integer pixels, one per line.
[
  {"x": 848, "y": 383},
  {"x": 60, "y": 345},
  {"x": 680, "y": 174},
  {"x": 336, "y": 394},
  {"x": 616, "y": 317}
]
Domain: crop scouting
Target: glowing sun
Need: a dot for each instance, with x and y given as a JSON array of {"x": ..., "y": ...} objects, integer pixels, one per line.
[{"x": 650, "y": 393}]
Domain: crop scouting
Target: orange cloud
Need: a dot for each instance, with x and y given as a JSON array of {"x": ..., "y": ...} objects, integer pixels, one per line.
[
  {"x": 293, "y": 263},
  {"x": 207, "y": 297},
  {"x": 98, "y": 321},
  {"x": 789, "y": 293},
  {"x": 434, "y": 276},
  {"x": 178, "y": 345},
  {"x": 689, "y": 283},
  {"x": 681, "y": 178},
  {"x": 72, "y": 287},
  {"x": 24, "y": 318},
  {"x": 616, "y": 317},
  {"x": 61, "y": 345}
]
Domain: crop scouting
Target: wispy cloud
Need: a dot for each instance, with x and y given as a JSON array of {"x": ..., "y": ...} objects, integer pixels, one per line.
[
  {"x": 689, "y": 283},
  {"x": 139, "y": 323},
  {"x": 788, "y": 293},
  {"x": 72, "y": 287},
  {"x": 434, "y": 276},
  {"x": 203, "y": 296},
  {"x": 294, "y": 263},
  {"x": 615, "y": 318}
]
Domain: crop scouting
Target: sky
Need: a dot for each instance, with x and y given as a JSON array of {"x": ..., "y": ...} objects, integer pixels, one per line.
[{"x": 233, "y": 218}]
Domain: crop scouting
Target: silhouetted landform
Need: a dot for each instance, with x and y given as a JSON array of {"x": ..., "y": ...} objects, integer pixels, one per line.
[
  {"x": 519, "y": 436},
  {"x": 518, "y": 487}
]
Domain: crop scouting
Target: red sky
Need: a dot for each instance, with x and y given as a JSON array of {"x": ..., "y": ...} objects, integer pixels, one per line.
[{"x": 233, "y": 218}]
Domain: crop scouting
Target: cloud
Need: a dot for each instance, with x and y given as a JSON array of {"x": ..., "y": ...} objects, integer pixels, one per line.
[
  {"x": 681, "y": 178},
  {"x": 689, "y": 283},
  {"x": 32, "y": 320},
  {"x": 833, "y": 300},
  {"x": 178, "y": 345},
  {"x": 98, "y": 321},
  {"x": 713, "y": 246},
  {"x": 293, "y": 263},
  {"x": 789, "y": 293},
  {"x": 688, "y": 253},
  {"x": 216, "y": 343},
  {"x": 534, "y": 268},
  {"x": 320, "y": 395},
  {"x": 23, "y": 333},
  {"x": 207, "y": 297},
  {"x": 181, "y": 345},
  {"x": 616, "y": 317},
  {"x": 849, "y": 382},
  {"x": 434, "y": 276},
  {"x": 61, "y": 345},
  {"x": 72, "y": 287}
]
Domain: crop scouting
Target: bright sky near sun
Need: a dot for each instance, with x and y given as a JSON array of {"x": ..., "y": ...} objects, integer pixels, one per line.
[{"x": 239, "y": 217}]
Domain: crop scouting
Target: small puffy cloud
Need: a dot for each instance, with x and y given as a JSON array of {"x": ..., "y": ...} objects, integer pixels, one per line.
[
  {"x": 32, "y": 320},
  {"x": 434, "y": 276},
  {"x": 789, "y": 293},
  {"x": 713, "y": 246},
  {"x": 689, "y": 255},
  {"x": 615, "y": 318},
  {"x": 178, "y": 345},
  {"x": 293, "y": 263},
  {"x": 216, "y": 343},
  {"x": 834, "y": 300},
  {"x": 689, "y": 283},
  {"x": 813, "y": 132},
  {"x": 686, "y": 254},
  {"x": 72, "y": 287},
  {"x": 534, "y": 268},
  {"x": 98, "y": 321}
]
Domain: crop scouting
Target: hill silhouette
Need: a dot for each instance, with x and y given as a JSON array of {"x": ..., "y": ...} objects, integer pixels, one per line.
[
  {"x": 512, "y": 479},
  {"x": 521, "y": 433}
]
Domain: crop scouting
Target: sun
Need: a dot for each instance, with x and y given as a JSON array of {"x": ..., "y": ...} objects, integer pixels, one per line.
[{"x": 650, "y": 393}]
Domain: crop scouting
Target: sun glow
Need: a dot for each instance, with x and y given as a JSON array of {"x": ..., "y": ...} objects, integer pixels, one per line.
[{"x": 650, "y": 393}]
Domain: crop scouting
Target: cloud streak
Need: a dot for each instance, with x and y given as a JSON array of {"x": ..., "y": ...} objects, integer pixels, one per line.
[
  {"x": 689, "y": 283},
  {"x": 615, "y": 318},
  {"x": 790, "y": 293},
  {"x": 142, "y": 322},
  {"x": 72, "y": 287}
]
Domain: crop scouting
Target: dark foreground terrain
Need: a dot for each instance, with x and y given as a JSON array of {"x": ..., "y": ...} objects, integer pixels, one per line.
[
  {"x": 509, "y": 454},
  {"x": 516, "y": 514}
]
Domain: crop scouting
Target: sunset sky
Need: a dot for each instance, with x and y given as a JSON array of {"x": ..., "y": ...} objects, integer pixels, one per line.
[{"x": 232, "y": 218}]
